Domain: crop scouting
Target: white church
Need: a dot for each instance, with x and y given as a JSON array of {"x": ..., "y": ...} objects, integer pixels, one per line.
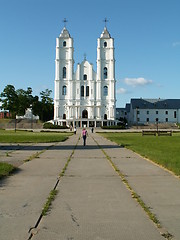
[{"x": 84, "y": 97}]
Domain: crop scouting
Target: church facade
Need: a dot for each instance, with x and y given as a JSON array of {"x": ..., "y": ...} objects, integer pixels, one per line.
[{"x": 84, "y": 97}]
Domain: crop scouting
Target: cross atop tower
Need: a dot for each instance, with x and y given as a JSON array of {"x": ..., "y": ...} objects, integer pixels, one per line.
[
  {"x": 105, "y": 21},
  {"x": 65, "y": 21},
  {"x": 85, "y": 56}
]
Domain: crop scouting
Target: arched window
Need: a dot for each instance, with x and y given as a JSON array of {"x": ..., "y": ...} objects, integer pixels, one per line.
[
  {"x": 105, "y": 44},
  {"x": 64, "y": 72},
  {"x": 87, "y": 91},
  {"x": 64, "y": 116},
  {"x": 64, "y": 44},
  {"x": 105, "y": 116},
  {"x": 82, "y": 91},
  {"x": 84, "y": 77},
  {"x": 105, "y": 72},
  {"x": 105, "y": 90},
  {"x": 64, "y": 90}
]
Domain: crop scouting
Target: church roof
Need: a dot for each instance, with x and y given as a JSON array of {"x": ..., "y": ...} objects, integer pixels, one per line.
[
  {"x": 105, "y": 33},
  {"x": 64, "y": 33}
]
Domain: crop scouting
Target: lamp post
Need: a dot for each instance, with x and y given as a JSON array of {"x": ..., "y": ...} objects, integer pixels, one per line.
[{"x": 31, "y": 117}]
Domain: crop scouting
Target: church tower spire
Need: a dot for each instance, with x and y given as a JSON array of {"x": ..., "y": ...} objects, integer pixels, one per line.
[
  {"x": 64, "y": 67},
  {"x": 106, "y": 73}
]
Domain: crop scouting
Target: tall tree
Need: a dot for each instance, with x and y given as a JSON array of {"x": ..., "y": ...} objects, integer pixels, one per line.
[
  {"x": 9, "y": 99},
  {"x": 47, "y": 105},
  {"x": 25, "y": 100}
]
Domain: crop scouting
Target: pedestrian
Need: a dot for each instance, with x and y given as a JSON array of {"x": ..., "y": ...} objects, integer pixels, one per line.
[
  {"x": 92, "y": 129},
  {"x": 75, "y": 130},
  {"x": 84, "y": 136}
]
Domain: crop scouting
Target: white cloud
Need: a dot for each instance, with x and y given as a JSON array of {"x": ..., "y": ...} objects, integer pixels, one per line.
[
  {"x": 122, "y": 91},
  {"x": 137, "y": 81},
  {"x": 175, "y": 44}
]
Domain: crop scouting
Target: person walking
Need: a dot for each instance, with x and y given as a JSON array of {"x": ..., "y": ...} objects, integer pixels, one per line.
[
  {"x": 84, "y": 136},
  {"x": 75, "y": 130}
]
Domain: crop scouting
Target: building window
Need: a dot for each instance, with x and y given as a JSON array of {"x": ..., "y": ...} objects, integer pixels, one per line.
[
  {"x": 64, "y": 44},
  {"x": 138, "y": 112},
  {"x": 105, "y": 72},
  {"x": 147, "y": 112},
  {"x": 84, "y": 77},
  {"x": 147, "y": 120},
  {"x": 64, "y": 116},
  {"x": 166, "y": 112},
  {"x": 105, "y": 116},
  {"x": 64, "y": 72},
  {"x": 166, "y": 119},
  {"x": 157, "y": 119},
  {"x": 174, "y": 114},
  {"x": 82, "y": 91},
  {"x": 105, "y": 44},
  {"x": 64, "y": 90},
  {"x": 105, "y": 90},
  {"x": 87, "y": 91},
  {"x": 156, "y": 112}
]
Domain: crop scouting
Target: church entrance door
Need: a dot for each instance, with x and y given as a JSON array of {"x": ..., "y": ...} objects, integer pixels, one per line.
[{"x": 84, "y": 114}]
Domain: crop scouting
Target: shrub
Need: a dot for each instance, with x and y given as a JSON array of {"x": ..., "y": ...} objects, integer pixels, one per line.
[
  {"x": 113, "y": 127},
  {"x": 49, "y": 125}
]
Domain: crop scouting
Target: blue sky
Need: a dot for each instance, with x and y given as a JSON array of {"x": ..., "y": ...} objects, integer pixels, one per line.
[{"x": 146, "y": 33}]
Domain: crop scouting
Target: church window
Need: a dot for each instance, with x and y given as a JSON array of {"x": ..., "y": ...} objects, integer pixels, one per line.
[
  {"x": 174, "y": 114},
  {"x": 166, "y": 112},
  {"x": 64, "y": 72},
  {"x": 64, "y": 44},
  {"x": 64, "y": 90},
  {"x": 105, "y": 44},
  {"x": 147, "y": 120},
  {"x": 87, "y": 91},
  {"x": 147, "y": 112},
  {"x": 156, "y": 112},
  {"x": 85, "y": 77},
  {"x": 105, "y": 72},
  {"x": 166, "y": 119},
  {"x": 105, "y": 90},
  {"x": 105, "y": 116},
  {"x": 82, "y": 91},
  {"x": 64, "y": 116}
]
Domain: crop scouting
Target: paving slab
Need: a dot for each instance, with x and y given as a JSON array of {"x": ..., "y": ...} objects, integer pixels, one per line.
[
  {"x": 157, "y": 187},
  {"x": 93, "y": 203},
  {"x": 23, "y": 195}
]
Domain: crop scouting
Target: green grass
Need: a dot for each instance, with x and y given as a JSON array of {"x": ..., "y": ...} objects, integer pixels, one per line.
[
  {"x": 164, "y": 150},
  {"x": 5, "y": 169},
  {"x": 31, "y": 137}
]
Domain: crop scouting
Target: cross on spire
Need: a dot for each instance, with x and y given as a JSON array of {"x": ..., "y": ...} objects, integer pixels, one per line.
[
  {"x": 105, "y": 21},
  {"x": 65, "y": 21},
  {"x": 85, "y": 56}
]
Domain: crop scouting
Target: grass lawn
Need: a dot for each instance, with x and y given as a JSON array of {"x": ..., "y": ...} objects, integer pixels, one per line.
[
  {"x": 31, "y": 137},
  {"x": 164, "y": 150},
  {"x": 5, "y": 169}
]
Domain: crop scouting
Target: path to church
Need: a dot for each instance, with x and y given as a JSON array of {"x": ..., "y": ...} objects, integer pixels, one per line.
[{"x": 92, "y": 202}]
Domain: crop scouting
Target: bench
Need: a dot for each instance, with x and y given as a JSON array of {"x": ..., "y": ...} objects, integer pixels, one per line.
[
  {"x": 148, "y": 132},
  {"x": 165, "y": 133}
]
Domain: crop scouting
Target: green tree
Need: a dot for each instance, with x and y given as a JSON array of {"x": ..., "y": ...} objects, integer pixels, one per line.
[
  {"x": 25, "y": 100},
  {"x": 45, "y": 107},
  {"x": 9, "y": 99}
]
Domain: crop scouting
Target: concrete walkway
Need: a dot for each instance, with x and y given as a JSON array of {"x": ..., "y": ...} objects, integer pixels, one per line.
[{"x": 92, "y": 201}]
